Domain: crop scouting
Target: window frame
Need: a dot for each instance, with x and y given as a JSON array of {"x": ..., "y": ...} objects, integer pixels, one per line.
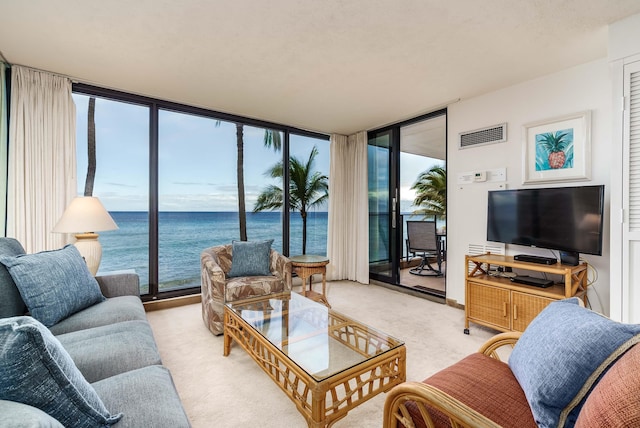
[{"x": 155, "y": 105}]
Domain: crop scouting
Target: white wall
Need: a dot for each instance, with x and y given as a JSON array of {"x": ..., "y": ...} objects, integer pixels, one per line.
[{"x": 586, "y": 87}]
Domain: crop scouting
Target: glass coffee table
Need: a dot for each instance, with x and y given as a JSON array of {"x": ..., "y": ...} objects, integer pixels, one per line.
[{"x": 325, "y": 362}]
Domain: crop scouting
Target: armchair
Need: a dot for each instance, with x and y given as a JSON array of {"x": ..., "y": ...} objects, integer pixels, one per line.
[
  {"x": 218, "y": 288},
  {"x": 570, "y": 367}
]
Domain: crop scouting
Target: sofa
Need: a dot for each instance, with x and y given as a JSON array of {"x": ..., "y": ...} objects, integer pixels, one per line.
[
  {"x": 74, "y": 358},
  {"x": 571, "y": 367},
  {"x": 256, "y": 270}
]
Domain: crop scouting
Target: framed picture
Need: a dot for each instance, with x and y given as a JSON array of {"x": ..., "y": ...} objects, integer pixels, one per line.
[{"x": 558, "y": 149}]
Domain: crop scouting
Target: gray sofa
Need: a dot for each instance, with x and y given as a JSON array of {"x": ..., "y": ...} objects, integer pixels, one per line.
[{"x": 111, "y": 344}]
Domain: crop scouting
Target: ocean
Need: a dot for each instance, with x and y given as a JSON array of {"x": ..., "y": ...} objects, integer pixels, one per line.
[{"x": 183, "y": 236}]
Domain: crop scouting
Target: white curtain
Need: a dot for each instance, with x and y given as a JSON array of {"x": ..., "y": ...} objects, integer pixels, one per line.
[
  {"x": 3, "y": 150},
  {"x": 42, "y": 157},
  {"x": 348, "y": 236}
]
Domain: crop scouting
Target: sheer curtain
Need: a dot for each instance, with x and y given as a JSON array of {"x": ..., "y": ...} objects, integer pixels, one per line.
[
  {"x": 348, "y": 236},
  {"x": 42, "y": 157}
]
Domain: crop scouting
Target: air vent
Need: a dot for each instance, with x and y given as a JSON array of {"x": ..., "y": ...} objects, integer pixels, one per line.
[{"x": 490, "y": 135}]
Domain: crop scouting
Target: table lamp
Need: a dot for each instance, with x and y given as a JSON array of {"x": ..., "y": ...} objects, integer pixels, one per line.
[{"x": 84, "y": 216}]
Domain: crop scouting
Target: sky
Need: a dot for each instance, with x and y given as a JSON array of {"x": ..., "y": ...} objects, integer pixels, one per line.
[{"x": 197, "y": 160}]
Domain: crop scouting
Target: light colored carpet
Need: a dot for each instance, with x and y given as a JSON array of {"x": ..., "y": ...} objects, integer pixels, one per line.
[{"x": 233, "y": 391}]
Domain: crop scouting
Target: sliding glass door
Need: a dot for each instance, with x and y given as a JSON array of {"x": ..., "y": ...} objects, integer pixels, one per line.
[
  {"x": 407, "y": 182},
  {"x": 383, "y": 207}
]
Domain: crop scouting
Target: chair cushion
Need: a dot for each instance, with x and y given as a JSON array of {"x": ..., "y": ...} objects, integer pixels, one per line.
[
  {"x": 244, "y": 287},
  {"x": 561, "y": 354},
  {"x": 250, "y": 258},
  {"x": 11, "y": 303},
  {"x": 36, "y": 370},
  {"x": 53, "y": 284},
  {"x": 614, "y": 400},
  {"x": 485, "y": 385}
]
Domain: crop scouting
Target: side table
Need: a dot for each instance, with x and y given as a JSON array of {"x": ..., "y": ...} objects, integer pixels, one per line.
[{"x": 305, "y": 267}]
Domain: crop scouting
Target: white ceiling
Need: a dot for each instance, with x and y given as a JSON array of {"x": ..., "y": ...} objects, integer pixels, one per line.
[{"x": 324, "y": 65}]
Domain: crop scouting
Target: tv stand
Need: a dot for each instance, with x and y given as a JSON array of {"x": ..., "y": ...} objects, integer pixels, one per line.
[
  {"x": 497, "y": 302},
  {"x": 535, "y": 259}
]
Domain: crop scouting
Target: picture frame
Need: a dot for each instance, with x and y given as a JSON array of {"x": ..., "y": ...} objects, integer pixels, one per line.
[{"x": 557, "y": 149}]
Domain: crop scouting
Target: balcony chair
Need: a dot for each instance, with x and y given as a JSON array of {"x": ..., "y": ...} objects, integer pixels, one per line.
[
  {"x": 218, "y": 287},
  {"x": 422, "y": 240}
]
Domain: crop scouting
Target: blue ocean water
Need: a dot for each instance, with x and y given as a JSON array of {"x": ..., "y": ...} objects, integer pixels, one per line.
[{"x": 183, "y": 236}]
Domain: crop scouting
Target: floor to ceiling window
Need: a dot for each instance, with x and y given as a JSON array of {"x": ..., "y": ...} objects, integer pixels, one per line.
[
  {"x": 309, "y": 159},
  {"x": 169, "y": 175},
  {"x": 121, "y": 179},
  {"x": 198, "y": 191}
]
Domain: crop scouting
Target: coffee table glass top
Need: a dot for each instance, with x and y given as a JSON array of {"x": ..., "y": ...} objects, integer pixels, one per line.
[{"x": 319, "y": 340}]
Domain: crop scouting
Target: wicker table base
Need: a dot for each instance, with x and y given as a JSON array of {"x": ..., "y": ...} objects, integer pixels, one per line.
[
  {"x": 376, "y": 364},
  {"x": 305, "y": 267}
]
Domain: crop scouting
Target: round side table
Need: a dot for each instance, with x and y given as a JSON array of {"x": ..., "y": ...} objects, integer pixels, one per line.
[{"x": 305, "y": 267}]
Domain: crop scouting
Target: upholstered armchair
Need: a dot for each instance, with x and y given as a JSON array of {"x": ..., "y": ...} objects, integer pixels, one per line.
[{"x": 219, "y": 288}]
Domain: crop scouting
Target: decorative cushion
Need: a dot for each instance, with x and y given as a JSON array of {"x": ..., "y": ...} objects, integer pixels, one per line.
[
  {"x": 11, "y": 304},
  {"x": 53, "y": 284},
  {"x": 614, "y": 401},
  {"x": 36, "y": 370},
  {"x": 250, "y": 258},
  {"x": 562, "y": 353}
]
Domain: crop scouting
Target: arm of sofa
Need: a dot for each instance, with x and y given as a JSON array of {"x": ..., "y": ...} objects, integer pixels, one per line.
[
  {"x": 122, "y": 284},
  {"x": 423, "y": 395}
]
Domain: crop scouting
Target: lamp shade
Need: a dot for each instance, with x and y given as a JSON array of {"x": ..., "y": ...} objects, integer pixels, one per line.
[{"x": 85, "y": 214}]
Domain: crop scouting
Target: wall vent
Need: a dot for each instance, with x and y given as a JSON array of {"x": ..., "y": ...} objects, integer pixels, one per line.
[
  {"x": 478, "y": 137},
  {"x": 489, "y": 247}
]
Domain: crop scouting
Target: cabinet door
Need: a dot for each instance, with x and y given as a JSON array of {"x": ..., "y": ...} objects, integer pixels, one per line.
[
  {"x": 489, "y": 305},
  {"x": 525, "y": 307}
]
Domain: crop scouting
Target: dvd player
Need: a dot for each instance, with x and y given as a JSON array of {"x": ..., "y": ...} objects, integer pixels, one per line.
[
  {"x": 532, "y": 280},
  {"x": 535, "y": 259}
]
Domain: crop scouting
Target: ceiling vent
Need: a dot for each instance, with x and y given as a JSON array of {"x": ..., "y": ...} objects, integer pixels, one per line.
[{"x": 480, "y": 137}]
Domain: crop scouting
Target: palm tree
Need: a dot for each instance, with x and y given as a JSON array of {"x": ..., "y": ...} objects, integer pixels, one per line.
[
  {"x": 273, "y": 140},
  {"x": 91, "y": 148},
  {"x": 431, "y": 192},
  {"x": 307, "y": 189}
]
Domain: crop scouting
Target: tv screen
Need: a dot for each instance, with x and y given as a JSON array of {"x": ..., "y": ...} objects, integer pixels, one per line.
[{"x": 559, "y": 218}]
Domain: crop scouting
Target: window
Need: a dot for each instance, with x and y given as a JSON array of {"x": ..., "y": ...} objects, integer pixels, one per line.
[
  {"x": 121, "y": 179},
  {"x": 310, "y": 157},
  {"x": 168, "y": 175}
]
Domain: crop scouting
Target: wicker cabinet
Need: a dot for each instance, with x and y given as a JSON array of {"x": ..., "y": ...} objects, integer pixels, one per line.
[{"x": 496, "y": 302}]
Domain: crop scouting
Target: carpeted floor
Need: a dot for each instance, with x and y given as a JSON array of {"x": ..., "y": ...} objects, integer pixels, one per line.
[{"x": 233, "y": 391}]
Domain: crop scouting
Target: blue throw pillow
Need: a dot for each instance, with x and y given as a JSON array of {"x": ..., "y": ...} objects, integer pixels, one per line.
[
  {"x": 250, "y": 258},
  {"x": 560, "y": 356},
  {"x": 53, "y": 284},
  {"x": 36, "y": 370}
]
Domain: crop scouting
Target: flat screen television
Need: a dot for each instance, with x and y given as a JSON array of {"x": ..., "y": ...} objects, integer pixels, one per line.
[{"x": 567, "y": 219}]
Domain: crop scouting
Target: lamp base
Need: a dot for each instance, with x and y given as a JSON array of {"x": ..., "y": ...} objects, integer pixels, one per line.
[{"x": 90, "y": 249}]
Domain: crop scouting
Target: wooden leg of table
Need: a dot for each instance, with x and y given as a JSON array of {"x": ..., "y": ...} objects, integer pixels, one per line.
[{"x": 227, "y": 338}]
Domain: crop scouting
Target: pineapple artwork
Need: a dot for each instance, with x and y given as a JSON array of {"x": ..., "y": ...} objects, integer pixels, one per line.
[{"x": 554, "y": 150}]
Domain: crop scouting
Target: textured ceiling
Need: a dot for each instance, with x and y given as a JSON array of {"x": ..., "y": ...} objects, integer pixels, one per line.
[{"x": 329, "y": 66}]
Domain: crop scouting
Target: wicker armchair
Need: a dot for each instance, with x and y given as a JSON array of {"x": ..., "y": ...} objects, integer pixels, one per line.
[
  {"x": 481, "y": 391},
  {"x": 218, "y": 288},
  {"x": 425, "y": 404}
]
